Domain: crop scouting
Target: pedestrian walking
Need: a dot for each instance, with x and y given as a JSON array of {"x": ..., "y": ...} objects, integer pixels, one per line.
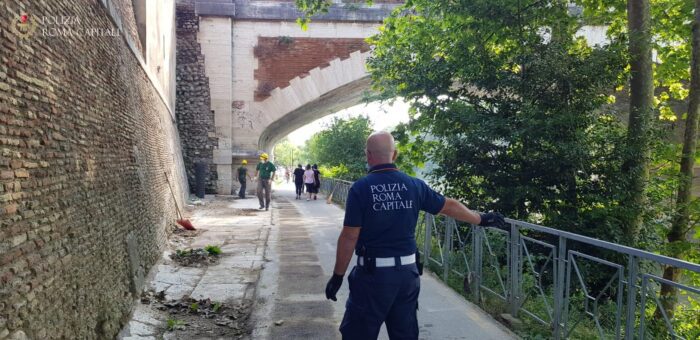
[
  {"x": 317, "y": 179},
  {"x": 299, "y": 180},
  {"x": 286, "y": 174},
  {"x": 242, "y": 176},
  {"x": 380, "y": 220},
  {"x": 265, "y": 173},
  {"x": 309, "y": 181}
]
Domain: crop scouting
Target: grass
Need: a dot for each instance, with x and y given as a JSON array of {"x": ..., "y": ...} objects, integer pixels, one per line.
[
  {"x": 174, "y": 324},
  {"x": 213, "y": 250}
]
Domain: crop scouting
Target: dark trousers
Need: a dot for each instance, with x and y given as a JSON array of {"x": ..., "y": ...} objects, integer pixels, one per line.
[
  {"x": 241, "y": 192},
  {"x": 384, "y": 295},
  {"x": 300, "y": 188}
]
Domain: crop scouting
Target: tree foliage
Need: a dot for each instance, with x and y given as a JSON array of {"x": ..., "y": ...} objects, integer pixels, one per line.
[
  {"x": 287, "y": 154},
  {"x": 508, "y": 104},
  {"x": 341, "y": 146}
]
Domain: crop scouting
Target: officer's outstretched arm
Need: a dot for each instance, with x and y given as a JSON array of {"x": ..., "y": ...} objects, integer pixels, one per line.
[
  {"x": 458, "y": 211},
  {"x": 346, "y": 246}
]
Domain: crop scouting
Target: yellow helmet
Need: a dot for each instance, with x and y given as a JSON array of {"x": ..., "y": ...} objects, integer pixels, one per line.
[
  {"x": 264, "y": 156},
  {"x": 244, "y": 162}
]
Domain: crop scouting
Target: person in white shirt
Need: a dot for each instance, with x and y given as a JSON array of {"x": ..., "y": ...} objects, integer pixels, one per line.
[{"x": 309, "y": 181}]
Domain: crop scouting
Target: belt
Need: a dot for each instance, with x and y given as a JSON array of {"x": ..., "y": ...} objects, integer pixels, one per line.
[{"x": 389, "y": 261}]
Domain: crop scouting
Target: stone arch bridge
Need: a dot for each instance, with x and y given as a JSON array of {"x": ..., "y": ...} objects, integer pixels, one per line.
[{"x": 248, "y": 75}]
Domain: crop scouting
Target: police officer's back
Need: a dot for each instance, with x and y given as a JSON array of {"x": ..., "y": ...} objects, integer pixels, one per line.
[{"x": 380, "y": 219}]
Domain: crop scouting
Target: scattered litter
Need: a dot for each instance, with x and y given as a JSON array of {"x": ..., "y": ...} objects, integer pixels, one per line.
[{"x": 199, "y": 317}]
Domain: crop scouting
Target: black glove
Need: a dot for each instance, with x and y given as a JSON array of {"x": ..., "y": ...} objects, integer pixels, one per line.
[
  {"x": 333, "y": 286},
  {"x": 493, "y": 219}
]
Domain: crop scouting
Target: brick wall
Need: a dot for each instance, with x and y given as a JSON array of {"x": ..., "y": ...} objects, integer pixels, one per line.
[
  {"x": 193, "y": 107},
  {"x": 280, "y": 59},
  {"x": 85, "y": 140}
]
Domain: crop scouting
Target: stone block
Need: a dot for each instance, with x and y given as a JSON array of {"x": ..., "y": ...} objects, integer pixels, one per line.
[
  {"x": 10, "y": 209},
  {"x": 21, "y": 173}
]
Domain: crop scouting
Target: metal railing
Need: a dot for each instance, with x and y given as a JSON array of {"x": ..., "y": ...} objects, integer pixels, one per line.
[
  {"x": 338, "y": 187},
  {"x": 574, "y": 286}
]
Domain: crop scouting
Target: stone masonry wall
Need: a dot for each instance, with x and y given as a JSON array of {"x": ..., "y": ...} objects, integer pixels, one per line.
[
  {"x": 193, "y": 107},
  {"x": 280, "y": 59},
  {"x": 85, "y": 143}
]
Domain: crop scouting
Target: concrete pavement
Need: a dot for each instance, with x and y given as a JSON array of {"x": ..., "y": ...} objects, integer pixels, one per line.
[{"x": 241, "y": 231}]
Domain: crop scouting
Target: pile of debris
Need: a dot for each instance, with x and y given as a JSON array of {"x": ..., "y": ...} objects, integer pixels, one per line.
[{"x": 197, "y": 257}]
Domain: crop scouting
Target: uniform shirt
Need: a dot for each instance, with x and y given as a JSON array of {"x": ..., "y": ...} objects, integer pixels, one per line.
[
  {"x": 298, "y": 175},
  {"x": 242, "y": 172},
  {"x": 265, "y": 170},
  {"x": 386, "y": 203}
]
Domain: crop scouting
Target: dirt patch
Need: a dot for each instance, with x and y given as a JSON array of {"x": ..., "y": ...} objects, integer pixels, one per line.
[
  {"x": 189, "y": 318},
  {"x": 198, "y": 257}
]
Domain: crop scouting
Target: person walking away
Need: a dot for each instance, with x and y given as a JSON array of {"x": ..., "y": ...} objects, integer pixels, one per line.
[
  {"x": 265, "y": 173},
  {"x": 309, "y": 181},
  {"x": 299, "y": 180},
  {"x": 380, "y": 220},
  {"x": 286, "y": 174},
  {"x": 242, "y": 174},
  {"x": 317, "y": 179}
]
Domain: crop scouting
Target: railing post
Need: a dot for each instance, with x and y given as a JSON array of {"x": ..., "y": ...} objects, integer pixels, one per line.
[
  {"x": 427, "y": 245},
  {"x": 632, "y": 272},
  {"x": 514, "y": 270},
  {"x": 477, "y": 247},
  {"x": 559, "y": 274},
  {"x": 447, "y": 248}
]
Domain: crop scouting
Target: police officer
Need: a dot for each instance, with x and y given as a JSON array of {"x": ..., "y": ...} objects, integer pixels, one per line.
[{"x": 380, "y": 221}]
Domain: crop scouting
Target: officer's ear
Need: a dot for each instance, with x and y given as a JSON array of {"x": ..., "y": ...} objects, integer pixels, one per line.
[{"x": 396, "y": 154}]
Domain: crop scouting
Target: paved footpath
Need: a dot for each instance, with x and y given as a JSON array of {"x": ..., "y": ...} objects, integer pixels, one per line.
[{"x": 301, "y": 251}]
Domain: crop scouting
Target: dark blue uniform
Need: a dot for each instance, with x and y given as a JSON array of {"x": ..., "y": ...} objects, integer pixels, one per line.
[{"x": 386, "y": 204}]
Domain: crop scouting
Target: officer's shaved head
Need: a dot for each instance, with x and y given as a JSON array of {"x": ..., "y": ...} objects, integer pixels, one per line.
[{"x": 380, "y": 148}]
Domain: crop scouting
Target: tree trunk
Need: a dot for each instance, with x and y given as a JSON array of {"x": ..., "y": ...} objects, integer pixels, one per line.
[
  {"x": 681, "y": 219},
  {"x": 641, "y": 114}
]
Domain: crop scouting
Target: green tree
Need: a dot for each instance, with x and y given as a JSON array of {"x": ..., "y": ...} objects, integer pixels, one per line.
[
  {"x": 511, "y": 118},
  {"x": 641, "y": 115},
  {"x": 681, "y": 226},
  {"x": 342, "y": 144},
  {"x": 287, "y": 154},
  {"x": 672, "y": 41}
]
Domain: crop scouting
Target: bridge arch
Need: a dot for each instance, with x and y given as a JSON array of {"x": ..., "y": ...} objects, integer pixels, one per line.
[{"x": 324, "y": 91}]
